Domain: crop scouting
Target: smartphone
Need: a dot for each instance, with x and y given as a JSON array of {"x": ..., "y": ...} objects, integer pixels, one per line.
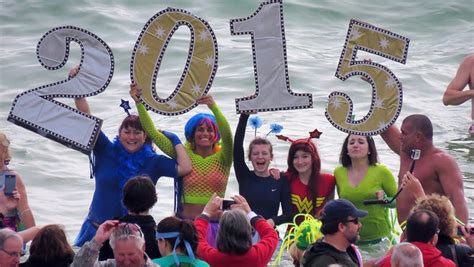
[
  {"x": 10, "y": 184},
  {"x": 459, "y": 233},
  {"x": 226, "y": 203}
]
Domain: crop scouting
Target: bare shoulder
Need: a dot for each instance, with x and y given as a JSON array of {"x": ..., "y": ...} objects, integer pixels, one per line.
[
  {"x": 468, "y": 61},
  {"x": 440, "y": 159}
]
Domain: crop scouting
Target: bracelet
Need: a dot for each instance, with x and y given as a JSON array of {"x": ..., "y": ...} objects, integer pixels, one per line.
[{"x": 206, "y": 214}]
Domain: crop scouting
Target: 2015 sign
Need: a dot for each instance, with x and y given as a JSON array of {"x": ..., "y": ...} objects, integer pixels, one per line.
[{"x": 37, "y": 110}]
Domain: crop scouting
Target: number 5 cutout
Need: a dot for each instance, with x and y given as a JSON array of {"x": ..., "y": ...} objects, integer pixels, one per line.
[
  {"x": 36, "y": 110},
  {"x": 272, "y": 82},
  {"x": 201, "y": 64},
  {"x": 386, "y": 88}
]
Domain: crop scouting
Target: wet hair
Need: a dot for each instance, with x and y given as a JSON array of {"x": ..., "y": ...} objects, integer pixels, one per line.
[
  {"x": 443, "y": 208},
  {"x": 139, "y": 194},
  {"x": 198, "y": 119},
  {"x": 346, "y": 161},
  {"x": 422, "y": 124},
  {"x": 235, "y": 233},
  {"x": 7, "y": 233},
  {"x": 421, "y": 228},
  {"x": 50, "y": 246},
  {"x": 309, "y": 147},
  {"x": 259, "y": 141},
  {"x": 186, "y": 229},
  {"x": 123, "y": 233},
  {"x": 6, "y": 144},
  {"x": 406, "y": 254},
  {"x": 133, "y": 121}
]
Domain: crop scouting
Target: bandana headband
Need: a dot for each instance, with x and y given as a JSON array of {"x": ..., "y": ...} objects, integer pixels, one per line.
[{"x": 189, "y": 250}]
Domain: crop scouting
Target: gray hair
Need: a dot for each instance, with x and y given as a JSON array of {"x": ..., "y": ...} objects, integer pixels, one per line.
[
  {"x": 7, "y": 233},
  {"x": 406, "y": 254},
  {"x": 235, "y": 233},
  {"x": 123, "y": 233}
]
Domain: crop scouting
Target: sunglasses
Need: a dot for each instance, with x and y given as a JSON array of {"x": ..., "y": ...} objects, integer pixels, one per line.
[
  {"x": 11, "y": 254},
  {"x": 131, "y": 228},
  {"x": 354, "y": 221}
]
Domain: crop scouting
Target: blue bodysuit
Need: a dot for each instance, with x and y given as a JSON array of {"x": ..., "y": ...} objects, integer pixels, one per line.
[{"x": 113, "y": 167}]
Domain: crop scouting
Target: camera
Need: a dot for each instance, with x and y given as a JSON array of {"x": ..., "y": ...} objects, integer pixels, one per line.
[
  {"x": 459, "y": 231},
  {"x": 226, "y": 203}
]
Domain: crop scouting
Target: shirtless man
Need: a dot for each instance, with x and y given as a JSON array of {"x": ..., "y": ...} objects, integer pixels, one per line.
[
  {"x": 436, "y": 170},
  {"x": 455, "y": 95}
]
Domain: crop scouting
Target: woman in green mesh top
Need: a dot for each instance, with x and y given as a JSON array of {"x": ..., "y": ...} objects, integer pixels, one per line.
[{"x": 209, "y": 145}]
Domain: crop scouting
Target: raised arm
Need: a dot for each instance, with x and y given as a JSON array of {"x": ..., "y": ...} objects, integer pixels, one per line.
[
  {"x": 241, "y": 169},
  {"x": 392, "y": 137},
  {"x": 156, "y": 136},
  {"x": 81, "y": 102},
  {"x": 450, "y": 177},
  {"x": 454, "y": 94}
]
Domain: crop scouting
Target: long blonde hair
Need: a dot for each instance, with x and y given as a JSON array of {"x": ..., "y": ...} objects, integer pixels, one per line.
[{"x": 6, "y": 144}]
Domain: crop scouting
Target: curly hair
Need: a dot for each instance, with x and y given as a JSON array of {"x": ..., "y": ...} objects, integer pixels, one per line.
[{"x": 443, "y": 208}]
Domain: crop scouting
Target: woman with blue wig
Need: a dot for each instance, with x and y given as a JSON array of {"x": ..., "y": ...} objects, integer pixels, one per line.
[{"x": 208, "y": 144}]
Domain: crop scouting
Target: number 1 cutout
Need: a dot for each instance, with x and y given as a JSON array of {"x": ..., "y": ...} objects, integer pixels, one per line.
[
  {"x": 36, "y": 110},
  {"x": 272, "y": 82},
  {"x": 386, "y": 88}
]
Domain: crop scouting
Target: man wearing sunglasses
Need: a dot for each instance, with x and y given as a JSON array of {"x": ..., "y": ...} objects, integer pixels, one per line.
[
  {"x": 126, "y": 240},
  {"x": 340, "y": 227}
]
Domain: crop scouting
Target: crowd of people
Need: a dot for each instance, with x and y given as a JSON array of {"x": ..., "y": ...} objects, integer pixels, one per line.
[{"x": 203, "y": 231}]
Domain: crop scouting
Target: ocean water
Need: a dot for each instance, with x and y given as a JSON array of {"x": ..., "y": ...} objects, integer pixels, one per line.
[{"x": 57, "y": 178}]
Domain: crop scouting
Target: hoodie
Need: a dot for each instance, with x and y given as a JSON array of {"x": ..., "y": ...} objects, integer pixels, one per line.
[{"x": 323, "y": 254}]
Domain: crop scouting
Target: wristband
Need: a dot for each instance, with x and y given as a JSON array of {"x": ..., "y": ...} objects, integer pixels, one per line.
[{"x": 251, "y": 215}]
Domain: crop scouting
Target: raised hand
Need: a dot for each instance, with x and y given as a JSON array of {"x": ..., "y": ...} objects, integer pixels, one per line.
[
  {"x": 135, "y": 92},
  {"x": 213, "y": 206},
  {"x": 412, "y": 184},
  {"x": 74, "y": 71},
  {"x": 206, "y": 100},
  {"x": 241, "y": 203},
  {"x": 172, "y": 137},
  {"x": 105, "y": 230}
]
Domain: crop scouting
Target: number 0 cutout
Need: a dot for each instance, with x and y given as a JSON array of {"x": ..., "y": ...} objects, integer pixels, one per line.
[
  {"x": 201, "y": 63},
  {"x": 36, "y": 110},
  {"x": 266, "y": 26},
  {"x": 386, "y": 88}
]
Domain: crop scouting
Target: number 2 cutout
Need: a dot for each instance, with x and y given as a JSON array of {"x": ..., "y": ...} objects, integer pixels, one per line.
[
  {"x": 269, "y": 59},
  {"x": 386, "y": 88},
  {"x": 36, "y": 110}
]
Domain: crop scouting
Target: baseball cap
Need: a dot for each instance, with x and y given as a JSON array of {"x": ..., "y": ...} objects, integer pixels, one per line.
[{"x": 340, "y": 209}]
